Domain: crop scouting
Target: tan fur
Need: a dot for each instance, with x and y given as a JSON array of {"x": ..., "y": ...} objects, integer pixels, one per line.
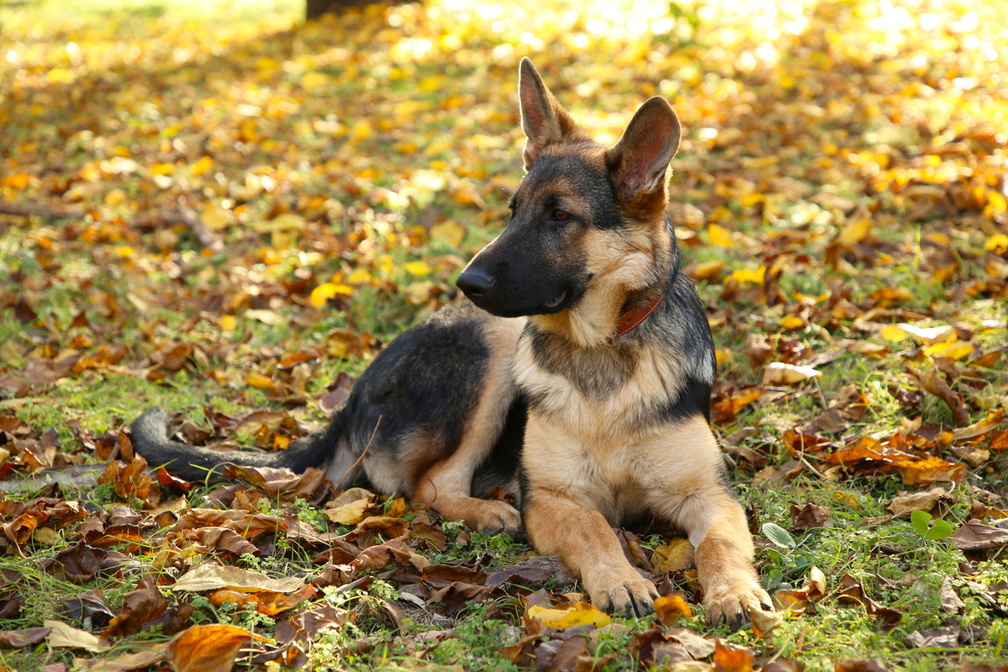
[
  {"x": 671, "y": 473},
  {"x": 445, "y": 485},
  {"x": 611, "y": 423}
]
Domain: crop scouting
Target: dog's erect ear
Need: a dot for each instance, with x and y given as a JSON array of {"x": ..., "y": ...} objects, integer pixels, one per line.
[
  {"x": 639, "y": 160},
  {"x": 544, "y": 121}
]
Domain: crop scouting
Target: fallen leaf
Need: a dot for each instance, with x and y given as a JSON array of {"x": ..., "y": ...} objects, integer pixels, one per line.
[
  {"x": 975, "y": 536},
  {"x": 207, "y": 648},
  {"x": 65, "y": 636},
  {"x": 579, "y": 613},
  {"x": 780, "y": 373},
  {"x": 907, "y": 502},
  {"x": 208, "y": 576},
  {"x": 670, "y": 608}
]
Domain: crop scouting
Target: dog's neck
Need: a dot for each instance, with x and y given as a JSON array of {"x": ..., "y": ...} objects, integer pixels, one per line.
[{"x": 633, "y": 318}]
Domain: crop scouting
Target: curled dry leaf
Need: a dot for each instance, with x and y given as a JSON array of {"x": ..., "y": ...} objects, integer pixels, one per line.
[{"x": 669, "y": 609}]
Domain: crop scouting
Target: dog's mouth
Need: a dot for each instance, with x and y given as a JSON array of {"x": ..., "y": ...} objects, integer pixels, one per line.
[{"x": 556, "y": 302}]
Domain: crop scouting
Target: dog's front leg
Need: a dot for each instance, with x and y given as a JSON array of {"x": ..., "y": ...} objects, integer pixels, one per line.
[
  {"x": 724, "y": 564},
  {"x": 583, "y": 539}
]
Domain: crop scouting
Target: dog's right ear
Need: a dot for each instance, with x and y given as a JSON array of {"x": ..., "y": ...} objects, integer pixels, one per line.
[{"x": 544, "y": 121}]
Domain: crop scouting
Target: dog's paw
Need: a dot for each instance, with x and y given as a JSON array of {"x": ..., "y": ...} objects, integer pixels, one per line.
[
  {"x": 733, "y": 600},
  {"x": 493, "y": 516},
  {"x": 632, "y": 596}
]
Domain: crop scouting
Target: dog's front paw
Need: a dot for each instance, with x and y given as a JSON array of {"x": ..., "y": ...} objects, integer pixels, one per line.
[
  {"x": 734, "y": 600},
  {"x": 493, "y": 516},
  {"x": 630, "y": 595}
]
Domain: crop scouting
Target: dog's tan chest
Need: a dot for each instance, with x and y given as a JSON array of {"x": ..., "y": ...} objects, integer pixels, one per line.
[{"x": 620, "y": 411}]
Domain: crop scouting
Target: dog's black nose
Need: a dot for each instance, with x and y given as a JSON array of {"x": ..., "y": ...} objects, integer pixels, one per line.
[{"x": 475, "y": 282}]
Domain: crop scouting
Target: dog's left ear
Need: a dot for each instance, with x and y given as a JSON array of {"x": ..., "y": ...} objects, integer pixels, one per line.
[{"x": 639, "y": 161}]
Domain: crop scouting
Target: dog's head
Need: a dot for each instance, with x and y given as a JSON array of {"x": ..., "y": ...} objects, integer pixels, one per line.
[{"x": 587, "y": 228}]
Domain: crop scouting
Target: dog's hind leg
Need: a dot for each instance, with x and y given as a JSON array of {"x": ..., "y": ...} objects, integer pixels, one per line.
[{"x": 447, "y": 484}]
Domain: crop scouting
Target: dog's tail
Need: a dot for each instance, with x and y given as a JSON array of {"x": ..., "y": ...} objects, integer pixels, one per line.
[{"x": 326, "y": 450}]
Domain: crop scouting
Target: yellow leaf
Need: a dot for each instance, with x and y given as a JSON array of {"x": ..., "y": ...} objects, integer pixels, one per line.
[
  {"x": 350, "y": 513},
  {"x": 359, "y": 276},
  {"x": 287, "y": 221},
  {"x": 793, "y": 323},
  {"x": 855, "y": 232},
  {"x": 723, "y": 356},
  {"x": 956, "y": 350},
  {"x": 228, "y": 323},
  {"x": 327, "y": 290},
  {"x": 744, "y": 276},
  {"x": 675, "y": 555},
  {"x": 720, "y": 236},
  {"x": 418, "y": 268},
  {"x": 580, "y": 613},
  {"x": 202, "y": 166},
  {"x": 162, "y": 169},
  {"x": 16, "y": 181},
  {"x": 216, "y": 217},
  {"x": 257, "y": 381},
  {"x": 451, "y": 233},
  {"x": 893, "y": 333},
  {"x": 998, "y": 243}
]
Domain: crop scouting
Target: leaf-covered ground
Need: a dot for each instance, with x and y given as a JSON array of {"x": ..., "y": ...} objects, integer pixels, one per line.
[{"x": 217, "y": 209}]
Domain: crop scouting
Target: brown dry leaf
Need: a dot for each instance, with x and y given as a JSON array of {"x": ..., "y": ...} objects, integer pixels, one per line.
[
  {"x": 209, "y": 576},
  {"x": 944, "y": 638},
  {"x": 139, "y": 606},
  {"x": 866, "y": 665},
  {"x": 950, "y": 598},
  {"x": 207, "y": 648},
  {"x": 305, "y": 626},
  {"x": 989, "y": 423},
  {"x": 933, "y": 501},
  {"x": 932, "y": 382},
  {"x": 853, "y": 594},
  {"x": 78, "y": 564},
  {"x": 138, "y": 660},
  {"x": 975, "y": 536},
  {"x": 20, "y": 639},
  {"x": 808, "y": 517},
  {"x": 725, "y": 408}
]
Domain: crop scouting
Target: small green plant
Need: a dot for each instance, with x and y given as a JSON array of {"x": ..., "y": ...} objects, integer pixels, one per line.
[
  {"x": 789, "y": 562},
  {"x": 929, "y": 531}
]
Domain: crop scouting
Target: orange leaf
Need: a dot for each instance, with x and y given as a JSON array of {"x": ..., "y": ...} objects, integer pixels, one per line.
[
  {"x": 728, "y": 658},
  {"x": 671, "y": 608},
  {"x": 207, "y": 648}
]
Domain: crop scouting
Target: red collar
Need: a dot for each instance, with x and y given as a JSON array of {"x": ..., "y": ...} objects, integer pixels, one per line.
[{"x": 633, "y": 318}]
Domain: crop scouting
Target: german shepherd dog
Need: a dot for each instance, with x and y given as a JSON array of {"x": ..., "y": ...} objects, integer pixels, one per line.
[{"x": 577, "y": 376}]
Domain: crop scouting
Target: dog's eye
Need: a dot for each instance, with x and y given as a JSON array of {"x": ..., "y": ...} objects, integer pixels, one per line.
[{"x": 560, "y": 216}]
